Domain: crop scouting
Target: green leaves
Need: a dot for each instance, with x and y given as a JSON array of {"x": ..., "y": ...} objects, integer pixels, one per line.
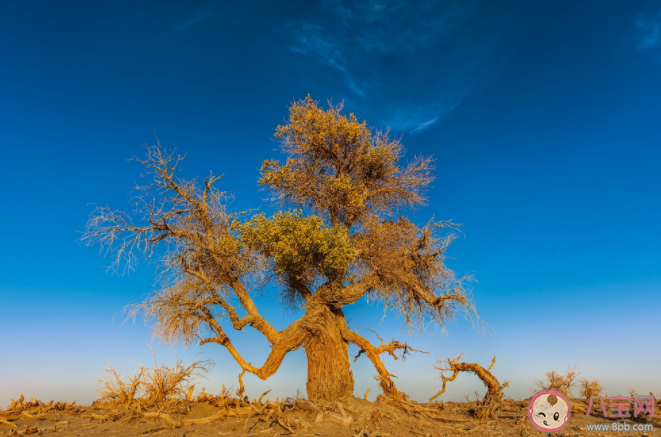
[{"x": 301, "y": 247}]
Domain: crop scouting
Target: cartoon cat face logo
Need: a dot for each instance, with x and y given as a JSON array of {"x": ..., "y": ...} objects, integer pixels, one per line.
[{"x": 549, "y": 411}]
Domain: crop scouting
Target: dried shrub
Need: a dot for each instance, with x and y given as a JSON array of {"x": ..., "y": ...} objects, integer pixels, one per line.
[
  {"x": 588, "y": 389},
  {"x": 170, "y": 382},
  {"x": 151, "y": 386},
  {"x": 112, "y": 388},
  {"x": 565, "y": 384}
]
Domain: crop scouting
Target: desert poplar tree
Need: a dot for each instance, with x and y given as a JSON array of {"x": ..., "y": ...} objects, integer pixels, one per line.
[{"x": 340, "y": 237}]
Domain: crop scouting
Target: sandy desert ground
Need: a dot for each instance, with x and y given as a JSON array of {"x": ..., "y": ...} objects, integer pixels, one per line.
[{"x": 352, "y": 417}]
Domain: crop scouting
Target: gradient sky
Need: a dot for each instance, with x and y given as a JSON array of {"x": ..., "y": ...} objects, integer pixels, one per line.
[{"x": 544, "y": 118}]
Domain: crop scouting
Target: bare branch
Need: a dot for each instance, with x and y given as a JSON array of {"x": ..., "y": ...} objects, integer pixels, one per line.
[
  {"x": 494, "y": 396},
  {"x": 203, "y": 259},
  {"x": 373, "y": 353}
]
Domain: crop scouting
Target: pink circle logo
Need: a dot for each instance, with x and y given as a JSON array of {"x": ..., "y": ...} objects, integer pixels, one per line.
[{"x": 549, "y": 411}]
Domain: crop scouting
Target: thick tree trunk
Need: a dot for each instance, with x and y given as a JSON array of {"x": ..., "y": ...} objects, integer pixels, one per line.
[{"x": 329, "y": 374}]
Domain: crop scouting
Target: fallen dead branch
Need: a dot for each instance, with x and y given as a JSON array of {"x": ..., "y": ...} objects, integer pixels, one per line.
[
  {"x": 472, "y": 430},
  {"x": 158, "y": 428},
  {"x": 6, "y": 422},
  {"x": 448, "y": 420},
  {"x": 208, "y": 419},
  {"x": 101, "y": 417},
  {"x": 276, "y": 415},
  {"x": 166, "y": 417},
  {"x": 305, "y": 405},
  {"x": 491, "y": 401},
  {"x": 235, "y": 412},
  {"x": 35, "y": 409},
  {"x": 424, "y": 414},
  {"x": 456, "y": 430},
  {"x": 33, "y": 416}
]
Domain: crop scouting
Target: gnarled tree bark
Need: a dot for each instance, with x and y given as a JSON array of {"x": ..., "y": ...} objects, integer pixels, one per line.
[{"x": 329, "y": 372}]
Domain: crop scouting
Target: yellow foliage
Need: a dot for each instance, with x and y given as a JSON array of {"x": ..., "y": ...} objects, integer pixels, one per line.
[
  {"x": 339, "y": 169},
  {"x": 300, "y": 246}
]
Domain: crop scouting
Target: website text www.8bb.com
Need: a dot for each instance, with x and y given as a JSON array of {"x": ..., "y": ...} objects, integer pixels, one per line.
[{"x": 619, "y": 426}]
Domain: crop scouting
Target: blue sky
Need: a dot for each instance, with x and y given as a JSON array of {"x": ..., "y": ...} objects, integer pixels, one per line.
[{"x": 544, "y": 119}]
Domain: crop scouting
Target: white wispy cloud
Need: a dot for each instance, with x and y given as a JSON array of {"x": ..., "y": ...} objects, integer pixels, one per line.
[
  {"x": 395, "y": 58},
  {"x": 199, "y": 17},
  {"x": 425, "y": 124},
  {"x": 648, "y": 32},
  {"x": 416, "y": 118},
  {"x": 310, "y": 41}
]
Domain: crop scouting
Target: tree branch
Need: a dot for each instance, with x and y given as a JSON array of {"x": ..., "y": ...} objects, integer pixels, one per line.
[
  {"x": 257, "y": 321},
  {"x": 390, "y": 348},
  {"x": 339, "y": 296},
  {"x": 492, "y": 399},
  {"x": 386, "y": 383},
  {"x": 253, "y": 318},
  {"x": 299, "y": 286},
  {"x": 289, "y": 339}
]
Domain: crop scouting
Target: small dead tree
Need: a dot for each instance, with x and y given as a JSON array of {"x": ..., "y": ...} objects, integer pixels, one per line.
[
  {"x": 589, "y": 389},
  {"x": 113, "y": 388},
  {"x": 565, "y": 384},
  {"x": 165, "y": 383},
  {"x": 491, "y": 401},
  {"x": 345, "y": 240},
  {"x": 151, "y": 385}
]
